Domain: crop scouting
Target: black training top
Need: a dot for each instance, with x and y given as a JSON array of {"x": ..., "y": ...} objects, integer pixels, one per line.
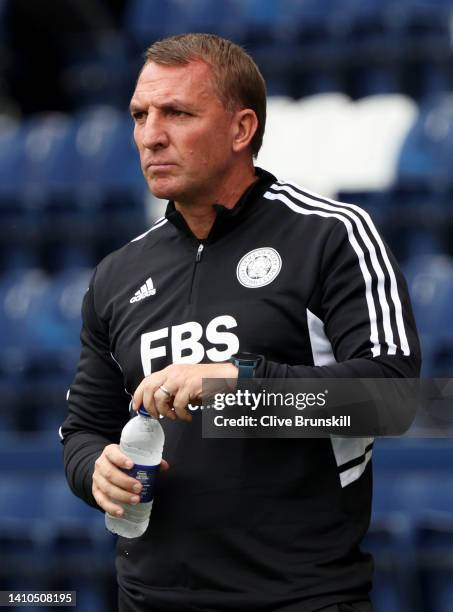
[{"x": 244, "y": 524}]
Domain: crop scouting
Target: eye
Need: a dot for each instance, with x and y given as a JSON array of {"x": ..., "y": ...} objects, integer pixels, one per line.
[
  {"x": 175, "y": 112},
  {"x": 138, "y": 116}
]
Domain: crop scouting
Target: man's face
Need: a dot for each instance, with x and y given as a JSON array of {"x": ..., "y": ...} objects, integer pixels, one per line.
[{"x": 182, "y": 130}]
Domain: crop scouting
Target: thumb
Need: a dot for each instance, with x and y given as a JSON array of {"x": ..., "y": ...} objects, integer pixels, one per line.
[{"x": 164, "y": 466}]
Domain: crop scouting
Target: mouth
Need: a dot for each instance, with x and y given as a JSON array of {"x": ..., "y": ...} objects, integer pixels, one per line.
[{"x": 159, "y": 166}]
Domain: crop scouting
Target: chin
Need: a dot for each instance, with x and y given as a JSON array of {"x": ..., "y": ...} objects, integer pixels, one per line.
[{"x": 163, "y": 189}]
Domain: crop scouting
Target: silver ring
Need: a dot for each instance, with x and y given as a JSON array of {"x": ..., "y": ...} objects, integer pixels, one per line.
[{"x": 165, "y": 390}]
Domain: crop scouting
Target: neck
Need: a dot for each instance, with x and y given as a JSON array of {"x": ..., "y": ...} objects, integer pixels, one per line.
[{"x": 200, "y": 214}]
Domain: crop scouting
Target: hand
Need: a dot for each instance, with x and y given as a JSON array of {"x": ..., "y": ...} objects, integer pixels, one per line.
[
  {"x": 184, "y": 385},
  {"x": 111, "y": 483}
]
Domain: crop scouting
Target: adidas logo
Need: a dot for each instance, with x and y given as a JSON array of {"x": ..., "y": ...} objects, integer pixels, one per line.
[{"x": 146, "y": 290}]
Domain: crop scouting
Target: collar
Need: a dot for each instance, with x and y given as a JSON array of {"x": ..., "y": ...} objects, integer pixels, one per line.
[{"x": 226, "y": 218}]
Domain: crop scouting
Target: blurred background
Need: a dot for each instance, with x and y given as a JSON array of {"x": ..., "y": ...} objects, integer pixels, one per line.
[{"x": 360, "y": 109}]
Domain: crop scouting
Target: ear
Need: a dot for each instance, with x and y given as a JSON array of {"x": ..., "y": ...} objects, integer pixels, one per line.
[{"x": 245, "y": 124}]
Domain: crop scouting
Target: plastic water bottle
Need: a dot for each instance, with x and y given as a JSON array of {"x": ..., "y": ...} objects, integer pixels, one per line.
[{"x": 142, "y": 440}]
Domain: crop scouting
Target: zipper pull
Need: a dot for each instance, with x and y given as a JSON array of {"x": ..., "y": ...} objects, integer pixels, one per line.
[{"x": 199, "y": 252}]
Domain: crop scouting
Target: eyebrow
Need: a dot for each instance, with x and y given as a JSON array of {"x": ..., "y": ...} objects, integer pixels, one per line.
[{"x": 170, "y": 104}]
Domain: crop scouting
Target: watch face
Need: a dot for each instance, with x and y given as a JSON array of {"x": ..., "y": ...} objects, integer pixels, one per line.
[{"x": 246, "y": 358}]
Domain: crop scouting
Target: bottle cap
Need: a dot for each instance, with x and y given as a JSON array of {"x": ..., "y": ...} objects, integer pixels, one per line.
[{"x": 142, "y": 410}]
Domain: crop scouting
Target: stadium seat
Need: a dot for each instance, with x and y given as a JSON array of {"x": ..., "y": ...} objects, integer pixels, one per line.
[
  {"x": 427, "y": 154},
  {"x": 149, "y": 20},
  {"x": 375, "y": 131},
  {"x": 430, "y": 281},
  {"x": 25, "y": 533},
  {"x": 53, "y": 321},
  {"x": 89, "y": 173},
  {"x": 11, "y": 148},
  {"x": 34, "y": 454},
  {"x": 29, "y": 153},
  {"x": 419, "y": 219},
  {"x": 47, "y": 532},
  {"x": 15, "y": 257},
  {"x": 394, "y": 586},
  {"x": 97, "y": 69},
  {"x": 259, "y": 20},
  {"x": 45, "y": 138},
  {"x": 19, "y": 291},
  {"x": 435, "y": 561},
  {"x": 411, "y": 476}
]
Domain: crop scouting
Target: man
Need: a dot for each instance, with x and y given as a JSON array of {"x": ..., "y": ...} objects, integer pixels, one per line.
[{"x": 240, "y": 262}]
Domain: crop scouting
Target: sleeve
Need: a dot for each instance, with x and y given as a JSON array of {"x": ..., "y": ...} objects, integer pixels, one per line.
[
  {"x": 361, "y": 323},
  {"x": 98, "y": 405}
]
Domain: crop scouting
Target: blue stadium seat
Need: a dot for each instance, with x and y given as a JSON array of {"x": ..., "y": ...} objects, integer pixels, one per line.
[
  {"x": 46, "y": 532},
  {"x": 45, "y": 138},
  {"x": 79, "y": 535},
  {"x": 53, "y": 321},
  {"x": 97, "y": 69},
  {"x": 378, "y": 204},
  {"x": 30, "y": 153},
  {"x": 430, "y": 281},
  {"x": 11, "y": 149},
  {"x": 100, "y": 170},
  {"x": 120, "y": 177},
  {"x": 435, "y": 561},
  {"x": 394, "y": 586},
  {"x": 372, "y": 49},
  {"x": 40, "y": 328},
  {"x": 316, "y": 63},
  {"x": 426, "y": 156},
  {"x": 412, "y": 454},
  {"x": 71, "y": 509},
  {"x": 36, "y": 455},
  {"x": 21, "y": 499},
  {"x": 412, "y": 486},
  {"x": 15, "y": 257},
  {"x": 418, "y": 219},
  {"x": 222, "y": 18},
  {"x": 80, "y": 159},
  {"x": 149, "y": 20},
  {"x": 25, "y": 532},
  {"x": 19, "y": 291}
]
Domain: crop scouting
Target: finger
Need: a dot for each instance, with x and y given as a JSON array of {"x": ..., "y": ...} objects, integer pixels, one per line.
[
  {"x": 180, "y": 404},
  {"x": 164, "y": 466},
  {"x": 113, "y": 453},
  {"x": 117, "y": 477},
  {"x": 164, "y": 402},
  {"x": 105, "y": 503},
  {"x": 149, "y": 401},
  {"x": 113, "y": 492},
  {"x": 111, "y": 465},
  {"x": 137, "y": 399}
]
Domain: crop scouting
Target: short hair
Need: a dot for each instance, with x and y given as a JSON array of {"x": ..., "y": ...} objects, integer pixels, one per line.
[{"x": 236, "y": 78}]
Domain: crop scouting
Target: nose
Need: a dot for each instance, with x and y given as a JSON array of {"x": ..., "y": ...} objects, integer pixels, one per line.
[{"x": 154, "y": 134}]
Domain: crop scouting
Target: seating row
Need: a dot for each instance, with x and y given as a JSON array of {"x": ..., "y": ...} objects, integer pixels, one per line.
[
  {"x": 48, "y": 534},
  {"x": 302, "y": 46},
  {"x": 86, "y": 166}
]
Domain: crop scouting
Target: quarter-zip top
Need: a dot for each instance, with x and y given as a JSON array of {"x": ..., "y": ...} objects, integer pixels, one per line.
[{"x": 305, "y": 282}]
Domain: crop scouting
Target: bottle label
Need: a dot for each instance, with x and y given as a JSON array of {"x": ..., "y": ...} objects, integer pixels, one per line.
[{"x": 146, "y": 474}]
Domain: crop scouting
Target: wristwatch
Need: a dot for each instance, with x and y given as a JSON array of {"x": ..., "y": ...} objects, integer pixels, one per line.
[{"x": 246, "y": 364}]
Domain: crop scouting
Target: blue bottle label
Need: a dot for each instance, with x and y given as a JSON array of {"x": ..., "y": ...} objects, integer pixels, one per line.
[{"x": 146, "y": 474}]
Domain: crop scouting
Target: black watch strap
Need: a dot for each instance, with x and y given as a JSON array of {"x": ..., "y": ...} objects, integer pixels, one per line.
[{"x": 246, "y": 364}]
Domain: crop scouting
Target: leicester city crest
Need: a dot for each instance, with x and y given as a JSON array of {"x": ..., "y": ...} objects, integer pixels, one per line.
[{"x": 259, "y": 267}]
